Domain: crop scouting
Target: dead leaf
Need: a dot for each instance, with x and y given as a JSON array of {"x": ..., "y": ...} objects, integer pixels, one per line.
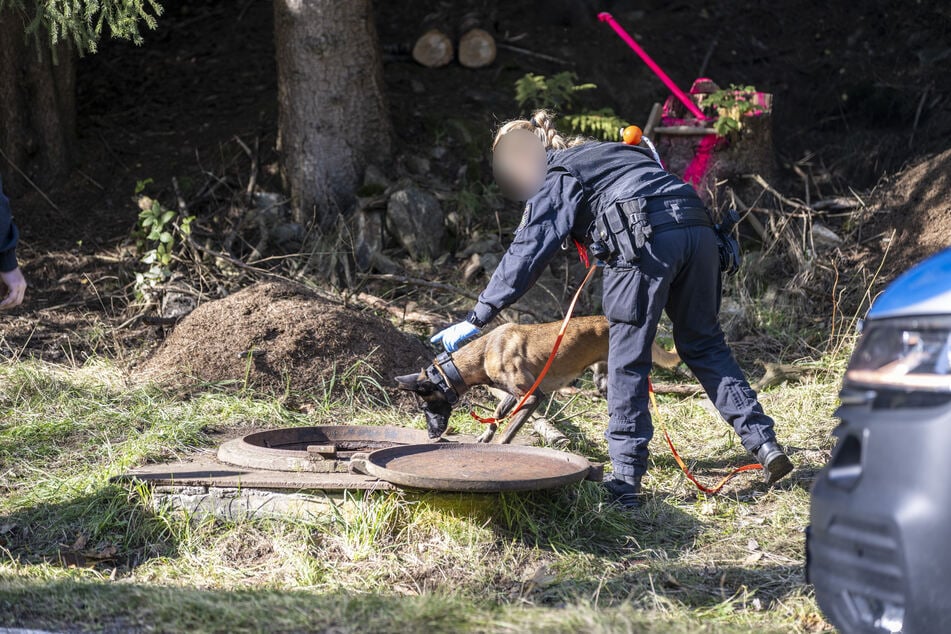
[
  {"x": 670, "y": 581},
  {"x": 752, "y": 545},
  {"x": 70, "y": 559},
  {"x": 752, "y": 558},
  {"x": 80, "y": 543},
  {"x": 108, "y": 552},
  {"x": 542, "y": 577}
]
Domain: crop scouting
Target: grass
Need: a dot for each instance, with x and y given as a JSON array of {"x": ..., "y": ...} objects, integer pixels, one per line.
[{"x": 79, "y": 553}]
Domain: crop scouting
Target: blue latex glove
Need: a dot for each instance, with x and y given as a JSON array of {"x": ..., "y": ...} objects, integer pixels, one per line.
[{"x": 453, "y": 336}]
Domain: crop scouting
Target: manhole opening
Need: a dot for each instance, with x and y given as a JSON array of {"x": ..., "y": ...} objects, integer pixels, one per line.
[{"x": 325, "y": 448}]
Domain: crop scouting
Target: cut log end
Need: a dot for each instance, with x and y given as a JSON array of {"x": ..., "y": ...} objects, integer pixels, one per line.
[
  {"x": 433, "y": 49},
  {"x": 476, "y": 49}
]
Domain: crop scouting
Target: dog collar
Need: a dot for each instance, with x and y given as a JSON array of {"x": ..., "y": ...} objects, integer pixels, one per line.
[{"x": 444, "y": 374}]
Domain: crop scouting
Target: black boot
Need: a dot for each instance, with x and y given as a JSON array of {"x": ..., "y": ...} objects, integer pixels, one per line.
[
  {"x": 624, "y": 490},
  {"x": 776, "y": 464}
]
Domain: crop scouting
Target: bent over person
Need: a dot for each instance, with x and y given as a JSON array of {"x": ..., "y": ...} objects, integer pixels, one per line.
[{"x": 660, "y": 252}]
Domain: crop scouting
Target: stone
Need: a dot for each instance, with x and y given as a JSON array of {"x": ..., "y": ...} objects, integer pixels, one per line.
[
  {"x": 246, "y": 503},
  {"x": 367, "y": 238},
  {"x": 288, "y": 237},
  {"x": 824, "y": 238},
  {"x": 481, "y": 246},
  {"x": 374, "y": 176},
  {"x": 418, "y": 165},
  {"x": 415, "y": 219},
  {"x": 472, "y": 269}
]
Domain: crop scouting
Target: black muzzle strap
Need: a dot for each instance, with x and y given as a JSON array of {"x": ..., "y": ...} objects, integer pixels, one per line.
[{"x": 444, "y": 375}]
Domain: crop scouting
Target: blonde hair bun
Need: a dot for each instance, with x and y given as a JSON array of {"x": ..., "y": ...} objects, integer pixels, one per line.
[{"x": 542, "y": 125}]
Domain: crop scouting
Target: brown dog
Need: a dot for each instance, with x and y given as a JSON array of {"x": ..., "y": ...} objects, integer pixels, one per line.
[{"x": 509, "y": 359}]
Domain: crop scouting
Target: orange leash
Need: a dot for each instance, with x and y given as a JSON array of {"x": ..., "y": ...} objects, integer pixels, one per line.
[
  {"x": 551, "y": 357},
  {"x": 683, "y": 466}
]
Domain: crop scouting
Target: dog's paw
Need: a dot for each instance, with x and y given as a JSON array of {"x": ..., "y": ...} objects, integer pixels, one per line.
[{"x": 486, "y": 436}]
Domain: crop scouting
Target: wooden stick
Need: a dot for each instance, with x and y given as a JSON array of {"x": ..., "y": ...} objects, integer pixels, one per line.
[
  {"x": 548, "y": 432},
  {"x": 759, "y": 180},
  {"x": 753, "y": 220},
  {"x": 918, "y": 111},
  {"x": 837, "y": 203},
  {"x": 525, "y": 51},
  {"x": 653, "y": 119},
  {"x": 684, "y": 130},
  {"x": 30, "y": 181},
  {"x": 677, "y": 389}
]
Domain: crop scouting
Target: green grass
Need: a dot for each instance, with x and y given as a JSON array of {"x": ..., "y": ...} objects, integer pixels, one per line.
[{"x": 558, "y": 561}]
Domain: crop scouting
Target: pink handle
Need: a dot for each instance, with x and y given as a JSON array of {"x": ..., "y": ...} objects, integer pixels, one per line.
[{"x": 687, "y": 101}]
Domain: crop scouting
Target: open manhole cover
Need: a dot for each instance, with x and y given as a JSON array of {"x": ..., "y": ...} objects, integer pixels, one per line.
[
  {"x": 320, "y": 449},
  {"x": 474, "y": 467}
]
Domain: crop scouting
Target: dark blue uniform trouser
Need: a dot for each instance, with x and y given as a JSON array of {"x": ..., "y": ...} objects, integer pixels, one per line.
[{"x": 679, "y": 272}]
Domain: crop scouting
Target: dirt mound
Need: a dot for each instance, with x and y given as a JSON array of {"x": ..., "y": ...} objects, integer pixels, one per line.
[
  {"x": 276, "y": 336},
  {"x": 916, "y": 205}
]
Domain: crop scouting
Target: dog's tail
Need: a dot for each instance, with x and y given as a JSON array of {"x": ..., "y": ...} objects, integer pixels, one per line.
[{"x": 667, "y": 359}]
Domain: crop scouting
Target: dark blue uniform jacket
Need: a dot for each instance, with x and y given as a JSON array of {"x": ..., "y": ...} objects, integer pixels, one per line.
[
  {"x": 8, "y": 236},
  {"x": 580, "y": 183}
]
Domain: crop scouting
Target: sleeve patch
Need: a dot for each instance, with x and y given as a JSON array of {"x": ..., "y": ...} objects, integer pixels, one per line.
[{"x": 525, "y": 216}]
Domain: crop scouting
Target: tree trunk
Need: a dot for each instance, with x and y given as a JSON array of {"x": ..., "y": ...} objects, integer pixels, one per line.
[
  {"x": 333, "y": 119},
  {"x": 37, "y": 106}
]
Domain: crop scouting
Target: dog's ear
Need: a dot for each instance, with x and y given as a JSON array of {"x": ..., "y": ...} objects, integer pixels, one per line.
[
  {"x": 412, "y": 383},
  {"x": 407, "y": 382}
]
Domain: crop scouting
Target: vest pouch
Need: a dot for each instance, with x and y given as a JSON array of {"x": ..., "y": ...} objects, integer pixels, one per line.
[{"x": 625, "y": 295}]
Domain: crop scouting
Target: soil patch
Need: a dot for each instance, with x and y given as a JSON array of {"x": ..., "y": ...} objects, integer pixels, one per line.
[
  {"x": 279, "y": 336},
  {"x": 916, "y": 205}
]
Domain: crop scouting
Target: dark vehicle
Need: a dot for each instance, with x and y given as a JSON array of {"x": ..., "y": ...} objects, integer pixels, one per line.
[{"x": 879, "y": 546}]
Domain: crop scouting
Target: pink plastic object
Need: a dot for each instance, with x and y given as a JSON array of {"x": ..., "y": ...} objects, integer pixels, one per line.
[{"x": 657, "y": 70}]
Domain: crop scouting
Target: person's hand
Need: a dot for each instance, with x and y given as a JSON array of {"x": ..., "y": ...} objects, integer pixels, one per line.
[
  {"x": 454, "y": 335},
  {"x": 14, "y": 289}
]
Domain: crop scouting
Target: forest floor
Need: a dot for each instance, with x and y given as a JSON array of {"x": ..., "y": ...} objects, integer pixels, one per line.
[{"x": 863, "y": 111}]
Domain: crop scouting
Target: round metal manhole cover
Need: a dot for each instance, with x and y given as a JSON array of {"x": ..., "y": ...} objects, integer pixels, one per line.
[
  {"x": 326, "y": 448},
  {"x": 471, "y": 467}
]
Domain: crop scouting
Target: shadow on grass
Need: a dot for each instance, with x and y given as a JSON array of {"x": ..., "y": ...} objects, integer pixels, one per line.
[
  {"x": 112, "y": 528},
  {"x": 579, "y": 519},
  {"x": 90, "y": 606}
]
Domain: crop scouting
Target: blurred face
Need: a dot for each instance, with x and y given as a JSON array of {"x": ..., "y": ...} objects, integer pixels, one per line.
[{"x": 519, "y": 164}]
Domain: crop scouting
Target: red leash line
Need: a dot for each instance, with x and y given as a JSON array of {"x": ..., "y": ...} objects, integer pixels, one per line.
[
  {"x": 683, "y": 466},
  {"x": 719, "y": 485},
  {"x": 551, "y": 357}
]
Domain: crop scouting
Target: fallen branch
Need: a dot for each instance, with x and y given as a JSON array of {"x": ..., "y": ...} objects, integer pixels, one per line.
[
  {"x": 677, "y": 389},
  {"x": 549, "y": 433},
  {"x": 748, "y": 215},
  {"x": 525, "y": 51},
  {"x": 837, "y": 203},
  {"x": 759, "y": 180},
  {"x": 30, "y": 181}
]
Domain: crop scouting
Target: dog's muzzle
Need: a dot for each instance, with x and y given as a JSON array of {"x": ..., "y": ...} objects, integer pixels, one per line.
[{"x": 445, "y": 376}]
